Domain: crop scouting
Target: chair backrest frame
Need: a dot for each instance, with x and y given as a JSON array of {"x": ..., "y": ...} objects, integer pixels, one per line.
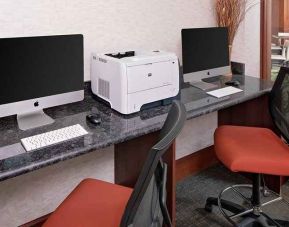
[
  {"x": 276, "y": 101},
  {"x": 155, "y": 167}
]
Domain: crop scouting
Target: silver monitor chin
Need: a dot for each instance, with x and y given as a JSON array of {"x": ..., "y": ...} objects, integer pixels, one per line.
[
  {"x": 195, "y": 78},
  {"x": 30, "y": 112}
]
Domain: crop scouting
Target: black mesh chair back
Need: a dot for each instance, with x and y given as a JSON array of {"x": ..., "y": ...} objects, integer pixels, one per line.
[
  {"x": 279, "y": 103},
  {"x": 147, "y": 204}
]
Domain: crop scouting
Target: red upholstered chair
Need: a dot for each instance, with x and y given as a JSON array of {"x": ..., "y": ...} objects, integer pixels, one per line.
[
  {"x": 257, "y": 151},
  {"x": 95, "y": 203}
]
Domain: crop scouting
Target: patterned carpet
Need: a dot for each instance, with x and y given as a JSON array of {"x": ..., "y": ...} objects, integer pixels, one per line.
[{"x": 193, "y": 191}]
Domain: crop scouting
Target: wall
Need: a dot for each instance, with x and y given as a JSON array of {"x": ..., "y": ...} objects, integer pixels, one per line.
[
  {"x": 190, "y": 140},
  {"x": 106, "y": 25},
  {"x": 112, "y": 25},
  {"x": 246, "y": 47}
]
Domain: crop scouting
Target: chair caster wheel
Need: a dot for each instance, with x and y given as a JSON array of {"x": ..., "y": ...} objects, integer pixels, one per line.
[{"x": 209, "y": 208}]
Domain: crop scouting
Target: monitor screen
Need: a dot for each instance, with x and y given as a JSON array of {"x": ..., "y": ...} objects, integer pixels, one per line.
[
  {"x": 35, "y": 67},
  {"x": 204, "y": 48}
]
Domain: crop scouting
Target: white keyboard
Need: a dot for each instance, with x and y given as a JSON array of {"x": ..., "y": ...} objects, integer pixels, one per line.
[
  {"x": 222, "y": 92},
  {"x": 53, "y": 137}
]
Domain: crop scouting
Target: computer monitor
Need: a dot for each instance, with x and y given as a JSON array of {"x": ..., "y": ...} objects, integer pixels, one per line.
[
  {"x": 205, "y": 54},
  {"x": 37, "y": 73}
]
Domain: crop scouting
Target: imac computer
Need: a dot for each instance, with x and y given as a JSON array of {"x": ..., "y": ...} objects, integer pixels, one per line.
[
  {"x": 205, "y": 53},
  {"x": 37, "y": 73}
]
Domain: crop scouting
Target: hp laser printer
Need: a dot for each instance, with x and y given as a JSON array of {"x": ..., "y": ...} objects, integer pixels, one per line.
[{"x": 131, "y": 79}]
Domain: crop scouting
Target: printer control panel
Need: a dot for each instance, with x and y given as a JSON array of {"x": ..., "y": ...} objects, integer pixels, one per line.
[{"x": 121, "y": 55}]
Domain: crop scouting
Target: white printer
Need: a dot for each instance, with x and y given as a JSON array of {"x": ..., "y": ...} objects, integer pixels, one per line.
[{"x": 128, "y": 80}]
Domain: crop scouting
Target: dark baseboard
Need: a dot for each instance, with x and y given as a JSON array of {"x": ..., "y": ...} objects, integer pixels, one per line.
[{"x": 196, "y": 162}]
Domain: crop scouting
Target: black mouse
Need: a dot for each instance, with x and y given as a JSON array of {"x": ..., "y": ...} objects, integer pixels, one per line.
[
  {"x": 234, "y": 83},
  {"x": 93, "y": 118}
]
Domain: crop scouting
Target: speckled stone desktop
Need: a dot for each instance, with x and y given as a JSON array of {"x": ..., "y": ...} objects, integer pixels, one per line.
[{"x": 115, "y": 128}]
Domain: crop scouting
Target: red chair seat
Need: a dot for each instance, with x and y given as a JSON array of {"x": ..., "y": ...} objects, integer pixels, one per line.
[
  {"x": 92, "y": 203},
  {"x": 253, "y": 150}
]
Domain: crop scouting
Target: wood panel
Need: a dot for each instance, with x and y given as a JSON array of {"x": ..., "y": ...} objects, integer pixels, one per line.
[
  {"x": 170, "y": 159},
  {"x": 253, "y": 113},
  {"x": 266, "y": 38},
  {"x": 275, "y": 21},
  {"x": 286, "y": 16},
  {"x": 129, "y": 158},
  {"x": 283, "y": 15},
  {"x": 196, "y": 162}
]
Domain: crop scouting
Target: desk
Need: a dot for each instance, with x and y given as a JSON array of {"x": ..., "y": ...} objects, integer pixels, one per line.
[{"x": 132, "y": 136}]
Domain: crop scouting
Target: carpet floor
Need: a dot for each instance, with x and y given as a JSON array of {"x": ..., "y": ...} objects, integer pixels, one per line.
[{"x": 193, "y": 191}]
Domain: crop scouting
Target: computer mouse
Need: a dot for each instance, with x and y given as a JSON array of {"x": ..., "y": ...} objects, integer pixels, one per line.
[
  {"x": 93, "y": 119},
  {"x": 234, "y": 83}
]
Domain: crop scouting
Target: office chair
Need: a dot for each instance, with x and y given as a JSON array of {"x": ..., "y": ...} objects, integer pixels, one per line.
[
  {"x": 97, "y": 203},
  {"x": 257, "y": 151}
]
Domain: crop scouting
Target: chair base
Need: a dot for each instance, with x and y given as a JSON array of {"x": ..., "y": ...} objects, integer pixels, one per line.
[
  {"x": 253, "y": 217},
  {"x": 249, "y": 219}
]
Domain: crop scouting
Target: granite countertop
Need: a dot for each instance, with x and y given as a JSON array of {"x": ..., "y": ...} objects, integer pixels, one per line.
[{"x": 115, "y": 128}]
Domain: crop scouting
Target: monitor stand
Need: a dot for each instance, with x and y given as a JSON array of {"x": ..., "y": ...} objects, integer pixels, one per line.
[
  {"x": 33, "y": 120},
  {"x": 203, "y": 85}
]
